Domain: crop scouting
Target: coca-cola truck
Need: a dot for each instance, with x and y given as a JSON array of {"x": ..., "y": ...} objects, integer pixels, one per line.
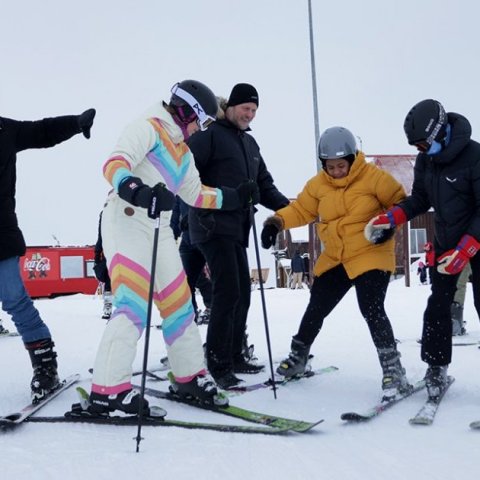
[{"x": 53, "y": 271}]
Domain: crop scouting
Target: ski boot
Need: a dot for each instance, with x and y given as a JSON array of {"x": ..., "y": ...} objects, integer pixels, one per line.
[
  {"x": 204, "y": 317},
  {"x": 107, "y": 305},
  {"x": 458, "y": 325},
  {"x": 3, "y": 330},
  {"x": 201, "y": 389},
  {"x": 45, "y": 377},
  {"x": 436, "y": 380},
  {"x": 246, "y": 361},
  {"x": 128, "y": 401},
  {"x": 394, "y": 380},
  {"x": 296, "y": 362}
]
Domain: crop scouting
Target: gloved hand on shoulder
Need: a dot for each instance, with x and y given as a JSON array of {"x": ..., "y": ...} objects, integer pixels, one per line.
[
  {"x": 155, "y": 200},
  {"x": 382, "y": 227},
  {"x": 85, "y": 121},
  {"x": 271, "y": 227},
  {"x": 453, "y": 261}
]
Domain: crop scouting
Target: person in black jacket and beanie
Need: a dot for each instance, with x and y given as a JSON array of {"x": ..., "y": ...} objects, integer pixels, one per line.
[
  {"x": 226, "y": 154},
  {"x": 447, "y": 178},
  {"x": 16, "y": 136}
]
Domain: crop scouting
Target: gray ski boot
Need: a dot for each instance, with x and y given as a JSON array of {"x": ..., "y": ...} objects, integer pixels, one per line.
[
  {"x": 394, "y": 380},
  {"x": 436, "y": 380},
  {"x": 297, "y": 360},
  {"x": 458, "y": 325}
]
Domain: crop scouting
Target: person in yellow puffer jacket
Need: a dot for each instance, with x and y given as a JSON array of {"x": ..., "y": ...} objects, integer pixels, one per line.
[{"x": 344, "y": 196}]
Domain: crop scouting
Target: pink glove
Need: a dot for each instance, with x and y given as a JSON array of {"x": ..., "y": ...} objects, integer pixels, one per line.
[{"x": 454, "y": 261}]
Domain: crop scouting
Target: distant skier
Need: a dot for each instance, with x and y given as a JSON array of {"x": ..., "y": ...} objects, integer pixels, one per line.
[
  {"x": 422, "y": 273},
  {"x": 16, "y": 136}
]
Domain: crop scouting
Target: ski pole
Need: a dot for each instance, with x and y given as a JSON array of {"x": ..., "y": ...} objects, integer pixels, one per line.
[
  {"x": 262, "y": 295},
  {"x": 138, "y": 438}
]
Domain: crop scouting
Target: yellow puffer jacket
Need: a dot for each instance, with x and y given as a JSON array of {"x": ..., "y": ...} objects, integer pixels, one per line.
[{"x": 344, "y": 206}]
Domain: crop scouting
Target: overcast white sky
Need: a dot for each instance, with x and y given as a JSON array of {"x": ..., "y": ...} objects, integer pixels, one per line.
[{"x": 374, "y": 59}]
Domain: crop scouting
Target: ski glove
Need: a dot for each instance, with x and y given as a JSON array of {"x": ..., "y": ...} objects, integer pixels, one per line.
[
  {"x": 248, "y": 193},
  {"x": 155, "y": 200},
  {"x": 243, "y": 196},
  {"x": 454, "y": 261},
  {"x": 382, "y": 227},
  {"x": 271, "y": 227},
  {"x": 85, "y": 121}
]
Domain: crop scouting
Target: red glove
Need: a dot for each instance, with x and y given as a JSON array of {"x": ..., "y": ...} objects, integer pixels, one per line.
[
  {"x": 375, "y": 228},
  {"x": 454, "y": 261}
]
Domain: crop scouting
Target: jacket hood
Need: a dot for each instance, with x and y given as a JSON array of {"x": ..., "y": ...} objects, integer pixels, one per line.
[{"x": 357, "y": 166}]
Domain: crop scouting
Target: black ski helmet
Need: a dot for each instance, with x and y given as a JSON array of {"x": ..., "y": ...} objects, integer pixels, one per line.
[
  {"x": 425, "y": 123},
  {"x": 337, "y": 142},
  {"x": 194, "y": 100}
]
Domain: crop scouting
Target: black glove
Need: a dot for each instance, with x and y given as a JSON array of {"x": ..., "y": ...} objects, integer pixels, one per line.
[
  {"x": 155, "y": 200},
  {"x": 269, "y": 235},
  {"x": 271, "y": 227},
  {"x": 248, "y": 193},
  {"x": 85, "y": 121}
]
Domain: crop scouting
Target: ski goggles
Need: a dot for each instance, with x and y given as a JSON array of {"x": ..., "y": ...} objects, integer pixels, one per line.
[
  {"x": 422, "y": 146},
  {"x": 203, "y": 119}
]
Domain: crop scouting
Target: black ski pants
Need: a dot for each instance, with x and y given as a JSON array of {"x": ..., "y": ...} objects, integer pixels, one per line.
[
  {"x": 330, "y": 287},
  {"x": 437, "y": 319},
  {"x": 230, "y": 275},
  {"x": 193, "y": 263}
]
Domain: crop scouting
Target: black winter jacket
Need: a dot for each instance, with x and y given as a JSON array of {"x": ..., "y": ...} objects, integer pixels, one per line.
[
  {"x": 227, "y": 156},
  {"x": 450, "y": 183},
  {"x": 16, "y": 136}
]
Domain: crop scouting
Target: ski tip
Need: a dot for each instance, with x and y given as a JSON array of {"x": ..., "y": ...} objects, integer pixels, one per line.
[{"x": 353, "y": 417}]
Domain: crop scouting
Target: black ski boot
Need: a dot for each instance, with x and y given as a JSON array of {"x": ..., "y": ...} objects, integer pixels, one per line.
[
  {"x": 394, "y": 380},
  {"x": 127, "y": 401},
  {"x": 201, "y": 388},
  {"x": 246, "y": 361},
  {"x": 45, "y": 377},
  {"x": 436, "y": 380},
  {"x": 203, "y": 317},
  {"x": 3, "y": 330},
  {"x": 297, "y": 360}
]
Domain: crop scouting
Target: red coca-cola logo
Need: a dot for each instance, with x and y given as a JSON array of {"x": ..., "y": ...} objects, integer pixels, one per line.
[{"x": 37, "y": 265}]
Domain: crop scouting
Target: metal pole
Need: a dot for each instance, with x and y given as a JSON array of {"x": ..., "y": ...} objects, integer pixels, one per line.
[
  {"x": 314, "y": 83},
  {"x": 139, "y": 438},
  {"x": 314, "y": 247}
]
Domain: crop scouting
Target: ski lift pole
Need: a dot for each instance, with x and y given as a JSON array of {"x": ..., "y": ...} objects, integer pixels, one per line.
[{"x": 139, "y": 438}]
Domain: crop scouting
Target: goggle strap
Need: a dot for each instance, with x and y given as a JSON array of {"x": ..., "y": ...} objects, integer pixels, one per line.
[{"x": 204, "y": 119}]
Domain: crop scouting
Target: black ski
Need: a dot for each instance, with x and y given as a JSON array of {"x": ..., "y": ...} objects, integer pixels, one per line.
[
  {"x": 381, "y": 406},
  {"x": 279, "y": 381},
  {"x": 237, "y": 412},
  {"x": 14, "y": 419},
  {"x": 426, "y": 414}
]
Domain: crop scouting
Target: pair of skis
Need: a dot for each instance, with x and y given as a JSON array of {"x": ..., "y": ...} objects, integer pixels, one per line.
[
  {"x": 424, "y": 416},
  {"x": 268, "y": 424}
]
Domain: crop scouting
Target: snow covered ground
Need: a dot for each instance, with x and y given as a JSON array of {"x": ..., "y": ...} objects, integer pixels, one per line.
[{"x": 387, "y": 447}]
